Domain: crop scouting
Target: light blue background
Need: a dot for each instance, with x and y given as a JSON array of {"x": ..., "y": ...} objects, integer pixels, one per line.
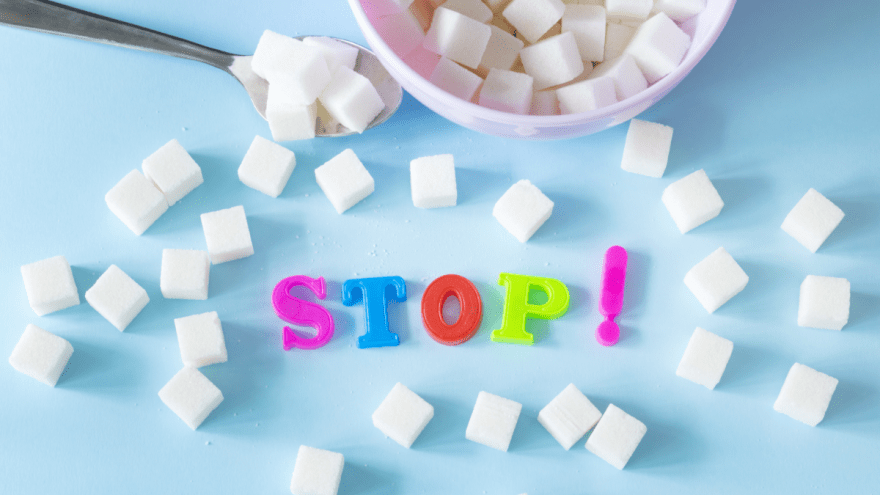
[{"x": 785, "y": 101}]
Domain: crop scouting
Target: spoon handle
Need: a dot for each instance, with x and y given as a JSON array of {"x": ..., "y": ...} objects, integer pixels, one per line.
[{"x": 55, "y": 18}]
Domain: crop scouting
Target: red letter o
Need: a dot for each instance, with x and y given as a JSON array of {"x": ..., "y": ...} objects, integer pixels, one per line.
[{"x": 469, "y": 317}]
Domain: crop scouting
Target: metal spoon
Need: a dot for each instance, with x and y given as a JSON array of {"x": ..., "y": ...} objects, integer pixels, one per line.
[{"x": 55, "y": 18}]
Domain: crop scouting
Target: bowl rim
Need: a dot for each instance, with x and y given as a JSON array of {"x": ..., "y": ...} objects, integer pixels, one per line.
[{"x": 655, "y": 91}]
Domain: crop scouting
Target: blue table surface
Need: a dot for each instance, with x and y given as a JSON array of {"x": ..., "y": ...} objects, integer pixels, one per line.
[{"x": 786, "y": 100}]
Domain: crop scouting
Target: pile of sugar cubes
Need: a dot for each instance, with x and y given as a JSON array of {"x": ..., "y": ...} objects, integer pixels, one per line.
[
  {"x": 312, "y": 82},
  {"x": 540, "y": 57}
]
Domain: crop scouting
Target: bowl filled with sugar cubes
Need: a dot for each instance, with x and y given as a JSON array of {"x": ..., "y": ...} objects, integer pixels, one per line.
[{"x": 540, "y": 69}]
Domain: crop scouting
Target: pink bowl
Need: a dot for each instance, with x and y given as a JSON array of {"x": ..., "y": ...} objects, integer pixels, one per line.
[{"x": 703, "y": 28}]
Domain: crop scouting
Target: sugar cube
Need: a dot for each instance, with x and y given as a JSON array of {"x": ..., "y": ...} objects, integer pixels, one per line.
[
  {"x": 507, "y": 91},
  {"x": 49, "y": 285},
  {"x": 646, "y": 150},
  {"x": 41, "y": 355},
  {"x": 266, "y": 166},
  {"x": 191, "y": 396},
  {"x": 457, "y": 37},
  {"x": 569, "y": 416},
  {"x": 297, "y": 68},
  {"x": 455, "y": 79},
  {"x": 805, "y": 395},
  {"x": 344, "y": 180},
  {"x": 402, "y": 415},
  {"x": 117, "y": 297},
  {"x": 432, "y": 179},
  {"x": 616, "y": 436},
  {"x": 545, "y": 103},
  {"x": 136, "y": 201},
  {"x": 587, "y": 95},
  {"x": 475, "y": 9},
  {"x": 617, "y": 37},
  {"x": 705, "y": 358},
  {"x": 587, "y": 23},
  {"x": 716, "y": 279},
  {"x": 184, "y": 274},
  {"x": 679, "y": 10},
  {"x": 289, "y": 119},
  {"x": 201, "y": 339},
  {"x": 502, "y": 50},
  {"x": 402, "y": 32},
  {"x": 316, "y": 472},
  {"x": 692, "y": 201},
  {"x": 553, "y": 61},
  {"x": 227, "y": 234},
  {"x": 533, "y": 18},
  {"x": 497, "y": 5},
  {"x": 423, "y": 61},
  {"x": 658, "y": 46},
  {"x": 522, "y": 209},
  {"x": 351, "y": 99},
  {"x": 629, "y": 9},
  {"x": 824, "y": 302},
  {"x": 493, "y": 421},
  {"x": 335, "y": 52},
  {"x": 628, "y": 78},
  {"x": 173, "y": 171},
  {"x": 812, "y": 220}
]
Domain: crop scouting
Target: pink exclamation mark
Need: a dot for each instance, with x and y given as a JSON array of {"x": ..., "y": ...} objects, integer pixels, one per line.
[{"x": 613, "y": 281}]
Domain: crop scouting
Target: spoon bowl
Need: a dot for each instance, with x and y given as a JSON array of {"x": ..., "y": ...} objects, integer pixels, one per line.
[{"x": 55, "y": 18}]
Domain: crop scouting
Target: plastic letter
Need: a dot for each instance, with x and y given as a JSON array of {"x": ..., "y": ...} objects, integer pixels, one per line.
[
  {"x": 294, "y": 310},
  {"x": 517, "y": 308},
  {"x": 373, "y": 291},
  {"x": 435, "y": 296}
]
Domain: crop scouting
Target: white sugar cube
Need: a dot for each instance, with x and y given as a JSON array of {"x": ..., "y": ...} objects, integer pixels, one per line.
[
  {"x": 716, "y": 279},
  {"x": 316, "y": 472},
  {"x": 173, "y": 171},
  {"x": 705, "y": 358},
  {"x": 184, "y": 274},
  {"x": 41, "y": 355},
  {"x": 201, "y": 339},
  {"x": 344, "y": 180},
  {"x": 497, "y": 5},
  {"x": 455, "y": 79},
  {"x": 457, "y": 37},
  {"x": 402, "y": 415},
  {"x": 617, "y": 37},
  {"x": 658, "y": 46},
  {"x": 812, "y": 220},
  {"x": 136, "y": 201},
  {"x": 569, "y": 416},
  {"x": 266, "y": 166},
  {"x": 191, "y": 396},
  {"x": 545, "y": 103},
  {"x": 553, "y": 61},
  {"x": 475, "y": 9},
  {"x": 628, "y": 78},
  {"x": 335, "y": 52},
  {"x": 117, "y": 297},
  {"x": 824, "y": 302},
  {"x": 289, "y": 120},
  {"x": 533, "y": 18},
  {"x": 616, "y": 436},
  {"x": 507, "y": 91},
  {"x": 522, "y": 210},
  {"x": 351, "y": 99},
  {"x": 629, "y": 9},
  {"x": 587, "y": 23},
  {"x": 402, "y": 32},
  {"x": 587, "y": 95},
  {"x": 49, "y": 285},
  {"x": 502, "y": 50},
  {"x": 493, "y": 421},
  {"x": 600, "y": 3},
  {"x": 227, "y": 234},
  {"x": 432, "y": 179},
  {"x": 692, "y": 201},
  {"x": 295, "y": 67},
  {"x": 679, "y": 10},
  {"x": 805, "y": 395},
  {"x": 646, "y": 150}
]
